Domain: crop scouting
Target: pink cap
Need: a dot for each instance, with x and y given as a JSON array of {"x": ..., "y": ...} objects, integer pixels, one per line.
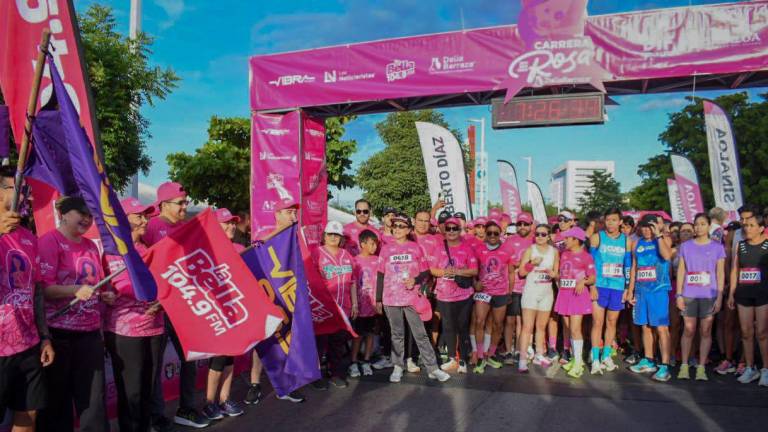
[
  {"x": 525, "y": 217},
  {"x": 505, "y": 217},
  {"x": 224, "y": 215},
  {"x": 285, "y": 203},
  {"x": 422, "y": 307},
  {"x": 471, "y": 224},
  {"x": 453, "y": 220},
  {"x": 492, "y": 221},
  {"x": 495, "y": 214},
  {"x": 133, "y": 206},
  {"x": 481, "y": 221},
  {"x": 170, "y": 190},
  {"x": 576, "y": 233}
]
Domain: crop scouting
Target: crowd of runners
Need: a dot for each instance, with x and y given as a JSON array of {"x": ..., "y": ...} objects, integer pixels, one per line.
[{"x": 430, "y": 291}]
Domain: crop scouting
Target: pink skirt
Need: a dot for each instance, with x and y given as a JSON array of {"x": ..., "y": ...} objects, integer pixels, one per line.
[{"x": 568, "y": 303}]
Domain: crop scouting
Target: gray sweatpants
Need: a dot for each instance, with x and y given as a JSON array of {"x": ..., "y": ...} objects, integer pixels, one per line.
[{"x": 397, "y": 326}]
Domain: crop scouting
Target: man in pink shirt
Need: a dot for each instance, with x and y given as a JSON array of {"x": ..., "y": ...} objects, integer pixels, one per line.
[
  {"x": 172, "y": 202},
  {"x": 516, "y": 245},
  {"x": 352, "y": 230}
]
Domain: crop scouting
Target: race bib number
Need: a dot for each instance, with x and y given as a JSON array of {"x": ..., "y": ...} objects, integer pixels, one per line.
[
  {"x": 482, "y": 297},
  {"x": 541, "y": 277},
  {"x": 613, "y": 270},
  {"x": 567, "y": 283},
  {"x": 698, "y": 278},
  {"x": 646, "y": 274},
  {"x": 750, "y": 276}
]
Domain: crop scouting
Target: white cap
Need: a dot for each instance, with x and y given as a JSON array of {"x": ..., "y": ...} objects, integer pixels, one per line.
[
  {"x": 566, "y": 213},
  {"x": 334, "y": 227}
]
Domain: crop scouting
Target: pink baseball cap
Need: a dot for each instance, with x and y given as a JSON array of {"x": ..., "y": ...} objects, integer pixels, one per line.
[
  {"x": 481, "y": 221},
  {"x": 505, "y": 217},
  {"x": 495, "y": 214},
  {"x": 224, "y": 215},
  {"x": 471, "y": 224},
  {"x": 170, "y": 190},
  {"x": 453, "y": 220},
  {"x": 576, "y": 233},
  {"x": 525, "y": 217},
  {"x": 134, "y": 206},
  {"x": 286, "y": 203},
  {"x": 492, "y": 221}
]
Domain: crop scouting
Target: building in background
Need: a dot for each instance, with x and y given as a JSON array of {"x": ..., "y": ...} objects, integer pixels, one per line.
[{"x": 571, "y": 180}]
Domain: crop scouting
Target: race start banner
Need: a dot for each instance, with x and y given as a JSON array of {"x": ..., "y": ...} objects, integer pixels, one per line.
[
  {"x": 510, "y": 193},
  {"x": 688, "y": 186},
  {"x": 444, "y": 164},
  {"x": 723, "y": 160}
]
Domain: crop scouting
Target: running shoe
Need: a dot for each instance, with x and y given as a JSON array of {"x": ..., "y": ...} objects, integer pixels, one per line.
[
  {"x": 576, "y": 370},
  {"x": 522, "y": 368},
  {"x": 294, "y": 396},
  {"x": 701, "y": 373},
  {"x": 531, "y": 352},
  {"x": 633, "y": 358},
  {"x": 542, "y": 361},
  {"x": 508, "y": 358},
  {"x": 339, "y": 382},
  {"x": 725, "y": 367},
  {"x": 740, "y": 368},
  {"x": 439, "y": 375},
  {"x": 609, "y": 365},
  {"x": 750, "y": 374},
  {"x": 411, "y": 366},
  {"x": 568, "y": 366},
  {"x": 253, "y": 396},
  {"x": 383, "y": 363},
  {"x": 662, "y": 374},
  {"x": 566, "y": 357},
  {"x": 684, "y": 373},
  {"x": 552, "y": 355},
  {"x": 763, "y": 377},
  {"x": 494, "y": 362},
  {"x": 396, "y": 375},
  {"x": 462, "y": 369},
  {"x": 191, "y": 418},
  {"x": 366, "y": 367},
  {"x": 353, "y": 371},
  {"x": 597, "y": 368},
  {"x": 480, "y": 368},
  {"x": 231, "y": 408},
  {"x": 643, "y": 366},
  {"x": 320, "y": 384},
  {"x": 450, "y": 365},
  {"x": 672, "y": 361},
  {"x": 211, "y": 411}
]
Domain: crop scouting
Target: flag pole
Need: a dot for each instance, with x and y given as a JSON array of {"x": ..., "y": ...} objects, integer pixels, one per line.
[{"x": 31, "y": 107}]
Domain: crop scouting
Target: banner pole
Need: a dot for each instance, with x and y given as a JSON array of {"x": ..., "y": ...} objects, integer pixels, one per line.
[{"x": 31, "y": 107}]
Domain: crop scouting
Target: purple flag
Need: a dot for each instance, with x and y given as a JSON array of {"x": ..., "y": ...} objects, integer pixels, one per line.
[
  {"x": 91, "y": 181},
  {"x": 48, "y": 159},
  {"x": 5, "y": 132},
  {"x": 290, "y": 356}
]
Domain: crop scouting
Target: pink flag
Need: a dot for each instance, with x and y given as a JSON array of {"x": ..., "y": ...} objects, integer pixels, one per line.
[
  {"x": 688, "y": 185},
  {"x": 510, "y": 193}
]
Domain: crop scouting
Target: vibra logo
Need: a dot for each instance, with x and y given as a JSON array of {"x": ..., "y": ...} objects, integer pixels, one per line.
[
  {"x": 329, "y": 76},
  {"x": 400, "y": 69},
  {"x": 275, "y": 132},
  {"x": 287, "y": 80}
]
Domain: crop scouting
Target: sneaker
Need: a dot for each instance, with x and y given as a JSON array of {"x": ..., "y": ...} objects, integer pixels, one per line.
[
  {"x": 763, "y": 377},
  {"x": 684, "y": 373},
  {"x": 508, "y": 358},
  {"x": 191, "y": 418},
  {"x": 353, "y": 371},
  {"x": 552, "y": 355},
  {"x": 531, "y": 352},
  {"x": 597, "y": 368},
  {"x": 609, "y": 365},
  {"x": 633, "y": 358},
  {"x": 449, "y": 365},
  {"x": 740, "y": 368},
  {"x": 576, "y": 370},
  {"x": 367, "y": 370},
  {"x": 494, "y": 362},
  {"x": 701, "y": 373},
  {"x": 542, "y": 361},
  {"x": 643, "y": 366},
  {"x": 521, "y": 368},
  {"x": 662, "y": 374},
  {"x": 568, "y": 366},
  {"x": 253, "y": 396},
  {"x": 480, "y": 368},
  {"x": 294, "y": 397},
  {"x": 383, "y": 363},
  {"x": 566, "y": 357},
  {"x": 162, "y": 424},
  {"x": 750, "y": 374},
  {"x": 439, "y": 375},
  {"x": 725, "y": 367},
  {"x": 462, "y": 369},
  {"x": 412, "y": 367},
  {"x": 339, "y": 382},
  {"x": 320, "y": 384},
  {"x": 672, "y": 362},
  {"x": 396, "y": 375},
  {"x": 230, "y": 408}
]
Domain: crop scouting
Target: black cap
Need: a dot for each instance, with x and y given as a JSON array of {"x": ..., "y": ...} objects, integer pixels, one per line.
[
  {"x": 648, "y": 220},
  {"x": 68, "y": 203},
  {"x": 389, "y": 210},
  {"x": 443, "y": 216},
  {"x": 460, "y": 215}
]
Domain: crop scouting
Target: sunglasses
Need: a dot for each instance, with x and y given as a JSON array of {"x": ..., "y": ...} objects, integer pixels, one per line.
[
  {"x": 452, "y": 229},
  {"x": 563, "y": 219},
  {"x": 180, "y": 203},
  {"x": 523, "y": 224},
  {"x": 359, "y": 211},
  {"x": 400, "y": 226},
  {"x": 492, "y": 234},
  {"x": 541, "y": 234}
]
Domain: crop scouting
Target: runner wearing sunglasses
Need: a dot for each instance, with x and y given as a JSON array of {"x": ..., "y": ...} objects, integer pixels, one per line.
[
  {"x": 362, "y": 221},
  {"x": 516, "y": 245}
]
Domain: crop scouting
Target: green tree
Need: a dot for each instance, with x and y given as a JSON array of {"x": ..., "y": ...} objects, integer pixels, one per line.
[
  {"x": 395, "y": 176},
  {"x": 121, "y": 80},
  {"x": 603, "y": 194},
  {"x": 686, "y": 134},
  {"x": 218, "y": 172}
]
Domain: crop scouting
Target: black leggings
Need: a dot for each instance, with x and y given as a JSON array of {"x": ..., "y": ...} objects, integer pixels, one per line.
[
  {"x": 454, "y": 318},
  {"x": 218, "y": 364}
]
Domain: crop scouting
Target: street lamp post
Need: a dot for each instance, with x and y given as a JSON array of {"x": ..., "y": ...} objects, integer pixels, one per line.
[
  {"x": 134, "y": 27},
  {"x": 481, "y": 172},
  {"x": 530, "y": 178}
]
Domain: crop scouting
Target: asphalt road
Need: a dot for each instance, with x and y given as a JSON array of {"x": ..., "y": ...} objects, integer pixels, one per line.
[{"x": 505, "y": 400}]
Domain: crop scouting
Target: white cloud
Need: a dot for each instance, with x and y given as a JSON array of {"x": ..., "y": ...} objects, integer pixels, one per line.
[
  {"x": 173, "y": 8},
  {"x": 663, "y": 103}
]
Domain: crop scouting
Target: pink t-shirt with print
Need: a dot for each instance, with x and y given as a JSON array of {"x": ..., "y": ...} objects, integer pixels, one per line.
[
  {"x": 463, "y": 258},
  {"x": 575, "y": 266},
  {"x": 398, "y": 262},
  {"x": 494, "y": 270},
  {"x": 64, "y": 262},
  {"x": 18, "y": 274},
  {"x": 429, "y": 243},
  {"x": 365, "y": 273},
  {"x": 336, "y": 271},
  {"x": 516, "y": 246},
  {"x": 352, "y": 232},
  {"x": 157, "y": 229}
]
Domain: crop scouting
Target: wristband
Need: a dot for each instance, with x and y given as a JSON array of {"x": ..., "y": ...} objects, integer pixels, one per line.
[{"x": 529, "y": 267}]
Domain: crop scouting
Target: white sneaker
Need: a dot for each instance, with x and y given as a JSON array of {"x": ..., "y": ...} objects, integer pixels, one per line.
[
  {"x": 750, "y": 374},
  {"x": 531, "y": 352},
  {"x": 396, "y": 375},
  {"x": 367, "y": 371},
  {"x": 439, "y": 375},
  {"x": 763, "y": 377},
  {"x": 412, "y": 367},
  {"x": 609, "y": 365},
  {"x": 597, "y": 368},
  {"x": 353, "y": 371},
  {"x": 383, "y": 363},
  {"x": 450, "y": 365},
  {"x": 462, "y": 369}
]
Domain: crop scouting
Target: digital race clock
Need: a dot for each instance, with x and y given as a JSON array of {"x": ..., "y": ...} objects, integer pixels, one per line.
[{"x": 550, "y": 110}]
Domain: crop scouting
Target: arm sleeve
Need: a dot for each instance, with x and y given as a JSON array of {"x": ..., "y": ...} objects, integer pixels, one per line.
[
  {"x": 379, "y": 286},
  {"x": 39, "y": 307}
]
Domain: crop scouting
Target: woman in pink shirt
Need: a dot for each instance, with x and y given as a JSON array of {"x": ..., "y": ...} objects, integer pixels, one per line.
[
  {"x": 133, "y": 333},
  {"x": 70, "y": 265}
]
